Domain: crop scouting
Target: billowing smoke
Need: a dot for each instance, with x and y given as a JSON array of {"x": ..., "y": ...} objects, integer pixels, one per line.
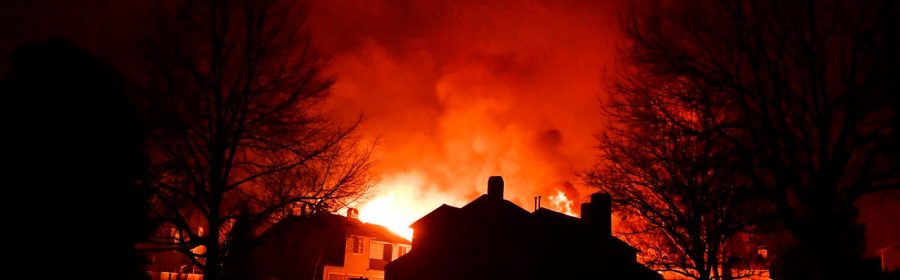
[{"x": 458, "y": 91}]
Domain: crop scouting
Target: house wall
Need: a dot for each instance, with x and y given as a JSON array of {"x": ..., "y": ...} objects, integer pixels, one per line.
[
  {"x": 340, "y": 273},
  {"x": 357, "y": 263}
]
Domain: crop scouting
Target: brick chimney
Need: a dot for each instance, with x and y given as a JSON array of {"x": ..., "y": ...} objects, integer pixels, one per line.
[
  {"x": 598, "y": 213},
  {"x": 353, "y": 213},
  {"x": 495, "y": 187}
]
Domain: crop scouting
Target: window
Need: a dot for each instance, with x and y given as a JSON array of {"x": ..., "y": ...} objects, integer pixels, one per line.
[
  {"x": 376, "y": 250},
  {"x": 403, "y": 251},
  {"x": 174, "y": 233},
  {"x": 388, "y": 252},
  {"x": 356, "y": 245},
  {"x": 381, "y": 251},
  {"x": 762, "y": 252}
]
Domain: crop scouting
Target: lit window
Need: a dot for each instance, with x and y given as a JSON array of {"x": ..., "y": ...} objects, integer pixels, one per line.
[
  {"x": 357, "y": 245},
  {"x": 376, "y": 250},
  {"x": 762, "y": 252},
  {"x": 174, "y": 233}
]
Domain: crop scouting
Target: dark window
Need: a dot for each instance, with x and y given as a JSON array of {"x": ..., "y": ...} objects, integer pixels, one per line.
[
  {"x": 388, "y": 252},
  {"x": 357, "y": 245}
]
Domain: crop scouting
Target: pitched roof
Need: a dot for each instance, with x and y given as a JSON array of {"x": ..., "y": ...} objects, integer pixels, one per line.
[
  {"x": 482, "y": 204},
  {"x": 334, "y": 222},
  {"x": 488, "y": 203},
  {"x": 437, "y": 214},
  {"x": 356, "y": 227},
  {"x": 547, "y": 214}
]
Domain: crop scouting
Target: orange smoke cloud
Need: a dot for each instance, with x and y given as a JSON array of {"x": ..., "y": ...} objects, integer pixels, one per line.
[{"x": 458, "y": 91}]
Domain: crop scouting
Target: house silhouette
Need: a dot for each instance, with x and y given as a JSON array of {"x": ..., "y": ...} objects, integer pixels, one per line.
[{"x": 492, "y": 238}]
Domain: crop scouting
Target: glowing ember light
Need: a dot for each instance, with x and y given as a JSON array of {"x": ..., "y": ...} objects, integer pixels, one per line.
[
  {"x": 401, "y": 200},
  {"x": 562, "y": 203}
]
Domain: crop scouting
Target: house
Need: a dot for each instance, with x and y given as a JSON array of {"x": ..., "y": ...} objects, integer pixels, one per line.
[
  {"x": 492, "y": 238},
  {"x": 325, "y": 246},
  {"x": 749, "y": 255},
  {"x": 171, "y": 264}
]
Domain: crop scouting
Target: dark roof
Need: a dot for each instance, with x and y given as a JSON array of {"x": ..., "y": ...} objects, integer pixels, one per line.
[
  {"x": 495, "y": 204},
  {"x": 329, "y": 221},
  {"x": 356, "y": 227},
  {"x": 439, "y": 213},
  {"x": 544, "y": 213},
  {"x": 493, "y": 238},
  {"x": 557, "y": 219}
]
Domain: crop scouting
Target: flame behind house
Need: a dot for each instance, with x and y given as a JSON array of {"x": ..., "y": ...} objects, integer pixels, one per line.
[{"x": 460, "y": 90}]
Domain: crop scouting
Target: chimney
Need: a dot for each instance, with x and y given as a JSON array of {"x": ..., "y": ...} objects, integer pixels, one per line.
[
  {"x": 495, "y": 187},
  {"x": 353, "y": 213},
  {"x": 598, "y": 213}
]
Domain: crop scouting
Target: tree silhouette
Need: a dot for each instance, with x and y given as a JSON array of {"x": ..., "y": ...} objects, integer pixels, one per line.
[
  {"x": 807, "y": 88},
  {"x": 235, "y": 96},
  {"x": 78, "y": 138},
  {"x": 668, "y": 170}
]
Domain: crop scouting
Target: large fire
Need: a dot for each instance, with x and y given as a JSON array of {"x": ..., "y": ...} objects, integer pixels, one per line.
[
  {"x": 402, "y": 199},
  {"x": 561, "y": 203},
  {"x": 503, "y": 88},
  {"x": 388, "y": 211}
]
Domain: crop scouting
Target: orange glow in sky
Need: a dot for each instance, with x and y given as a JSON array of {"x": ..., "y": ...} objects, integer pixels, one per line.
[
  {"x": 458, "y": 91},
  {"x": 401, "y": 199}
]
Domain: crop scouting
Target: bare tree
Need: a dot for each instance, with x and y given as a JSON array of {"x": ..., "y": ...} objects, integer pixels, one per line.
[
  {"x": 240, "y": 140},
  {"x": 808, "y": 87},
  {"x": 667, "y": 171}
]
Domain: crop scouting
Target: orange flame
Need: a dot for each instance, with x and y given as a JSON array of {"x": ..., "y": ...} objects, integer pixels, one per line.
[
  {"x": 453, "y": 113},
  {"x": 562, "y": 203},
  {"x": 401, "y": 200},
  {"x": 384, "y": 211}
]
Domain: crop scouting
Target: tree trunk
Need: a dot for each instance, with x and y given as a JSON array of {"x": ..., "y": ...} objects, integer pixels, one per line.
[
  {"x": 213, "y": 268},
  {"x": 703, "y": 274},
  {"x": 700, "y": 265},
  {"x": 829, "y": 243}
]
